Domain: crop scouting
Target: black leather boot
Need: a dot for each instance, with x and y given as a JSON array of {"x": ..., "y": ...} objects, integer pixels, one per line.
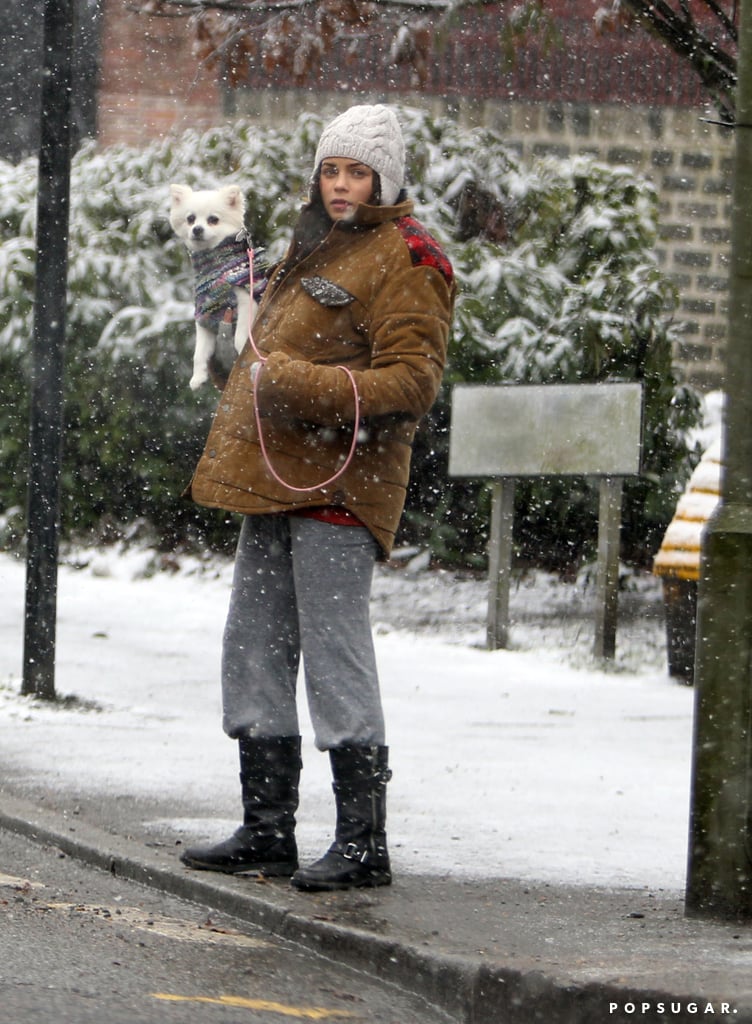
[
  {"x": 358, "y": 857},
  {"x": 265, "y": 842}
]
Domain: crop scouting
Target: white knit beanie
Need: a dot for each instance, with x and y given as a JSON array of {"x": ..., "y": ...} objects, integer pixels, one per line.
[{"x": 371, "y": 135}]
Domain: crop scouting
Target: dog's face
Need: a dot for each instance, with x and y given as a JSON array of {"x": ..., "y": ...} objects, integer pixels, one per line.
[{"x": 204, "y": 219}]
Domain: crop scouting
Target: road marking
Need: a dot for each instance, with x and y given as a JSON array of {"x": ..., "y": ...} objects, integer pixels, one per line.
[
  {"x": 301, "y": 1012},
  {"x": 171, "y": 928},
  {"x": 11, "y": 882},
  {"x": 168, "y": 927}
]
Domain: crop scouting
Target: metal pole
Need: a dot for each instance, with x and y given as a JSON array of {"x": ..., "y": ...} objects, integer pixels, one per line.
[
  {"x": 48, "y": 346},
  {"x": 607, "y": 589},
  {"x": 719, "y": 883},
  {"x": 500, "y": 551}
]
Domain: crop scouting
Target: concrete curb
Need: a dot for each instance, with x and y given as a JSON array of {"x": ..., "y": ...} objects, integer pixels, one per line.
[{"x": 468, "y": 990}]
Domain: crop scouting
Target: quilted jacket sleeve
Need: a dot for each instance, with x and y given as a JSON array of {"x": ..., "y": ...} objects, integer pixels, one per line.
[{"x": 409, "y": 328}]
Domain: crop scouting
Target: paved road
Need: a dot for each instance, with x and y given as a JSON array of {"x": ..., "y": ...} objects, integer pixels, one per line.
[{"x": 79, "y": 946}]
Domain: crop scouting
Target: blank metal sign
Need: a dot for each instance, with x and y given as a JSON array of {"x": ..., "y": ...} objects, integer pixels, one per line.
[{"x": 520, "y": 430}]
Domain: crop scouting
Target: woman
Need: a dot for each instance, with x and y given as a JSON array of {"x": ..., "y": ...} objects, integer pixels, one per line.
[{"x": 311, "y": 443}]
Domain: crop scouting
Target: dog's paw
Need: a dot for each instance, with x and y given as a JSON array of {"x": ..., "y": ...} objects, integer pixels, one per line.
[{"x": 198, "y": 379}]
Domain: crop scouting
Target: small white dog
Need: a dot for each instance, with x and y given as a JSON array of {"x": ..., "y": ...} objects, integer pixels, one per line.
[{"x": 211, "y": 223}]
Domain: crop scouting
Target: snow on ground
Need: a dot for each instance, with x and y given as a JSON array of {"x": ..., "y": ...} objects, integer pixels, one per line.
[{"x": 535, "y": 762}]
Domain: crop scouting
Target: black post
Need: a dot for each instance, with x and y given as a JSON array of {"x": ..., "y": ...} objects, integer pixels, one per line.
[{"x": 48, "y": 350}]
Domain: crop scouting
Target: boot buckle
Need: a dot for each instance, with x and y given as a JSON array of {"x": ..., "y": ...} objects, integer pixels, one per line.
[{"x": 353, "y": 852}]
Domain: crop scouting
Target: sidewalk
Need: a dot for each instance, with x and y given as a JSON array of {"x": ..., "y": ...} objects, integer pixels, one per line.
[
  {"x": 509, "y": 766},
  {"x": 498, "y": 952}
]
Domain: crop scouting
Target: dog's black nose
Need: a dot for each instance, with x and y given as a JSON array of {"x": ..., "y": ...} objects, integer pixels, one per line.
[{"x": 198, "y": 231}]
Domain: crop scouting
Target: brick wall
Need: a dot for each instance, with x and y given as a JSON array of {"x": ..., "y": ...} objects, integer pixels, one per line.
[{"x": 150, "y": 84}]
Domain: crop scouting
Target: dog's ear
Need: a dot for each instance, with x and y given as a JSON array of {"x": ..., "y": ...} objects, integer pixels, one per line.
[
  {"x": 179, "y": 193},
  {"x": 233, "y": 197}
]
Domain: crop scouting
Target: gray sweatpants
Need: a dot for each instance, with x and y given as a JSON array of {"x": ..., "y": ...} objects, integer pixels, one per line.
[{"x": 302, "y": 587}]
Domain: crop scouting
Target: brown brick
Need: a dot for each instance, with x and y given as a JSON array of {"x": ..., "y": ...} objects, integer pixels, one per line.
[
  {"x": 716, "y": 187},
  {"x": 692, "y": 258},
  {"x": 704, "y": 307},
  {"x": 675, "y": 232},
  {"x": 716, "y": 235},
  {"x": 560, "y": 150},
  {"x": 698, "y": 161},
  {"x": 711, "y": 283},
  {"x": 716, "y": 330},
  {"x": 694, "y": 353},
  {"x": 662, "y": 158},
  {"x": 677, "y": 183},
  {"x": 682, "y": 282},
  {"x": 623, "y": 155}
]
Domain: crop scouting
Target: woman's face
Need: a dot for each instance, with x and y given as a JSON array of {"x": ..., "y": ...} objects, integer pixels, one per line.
[{"x": 343, "y": 184}]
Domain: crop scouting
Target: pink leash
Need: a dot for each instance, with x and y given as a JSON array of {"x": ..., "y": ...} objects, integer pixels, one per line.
[{"x": 262, "y": 443}]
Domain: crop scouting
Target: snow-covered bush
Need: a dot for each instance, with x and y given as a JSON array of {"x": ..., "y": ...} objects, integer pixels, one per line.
[{"x": 557, "y": 282}]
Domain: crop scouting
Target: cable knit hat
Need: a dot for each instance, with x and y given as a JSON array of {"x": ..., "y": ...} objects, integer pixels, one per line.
[{"x": 371, "y": 135}]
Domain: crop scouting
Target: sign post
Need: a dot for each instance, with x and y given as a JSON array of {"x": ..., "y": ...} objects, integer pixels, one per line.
[{"x": 507, "y": 432}]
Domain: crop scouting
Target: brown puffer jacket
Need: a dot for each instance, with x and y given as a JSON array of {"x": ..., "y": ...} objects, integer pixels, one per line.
[{"x": 375, "y": 296}]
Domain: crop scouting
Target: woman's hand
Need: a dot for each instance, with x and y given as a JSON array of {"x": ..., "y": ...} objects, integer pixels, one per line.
[{"x": 272, "y": 366}]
